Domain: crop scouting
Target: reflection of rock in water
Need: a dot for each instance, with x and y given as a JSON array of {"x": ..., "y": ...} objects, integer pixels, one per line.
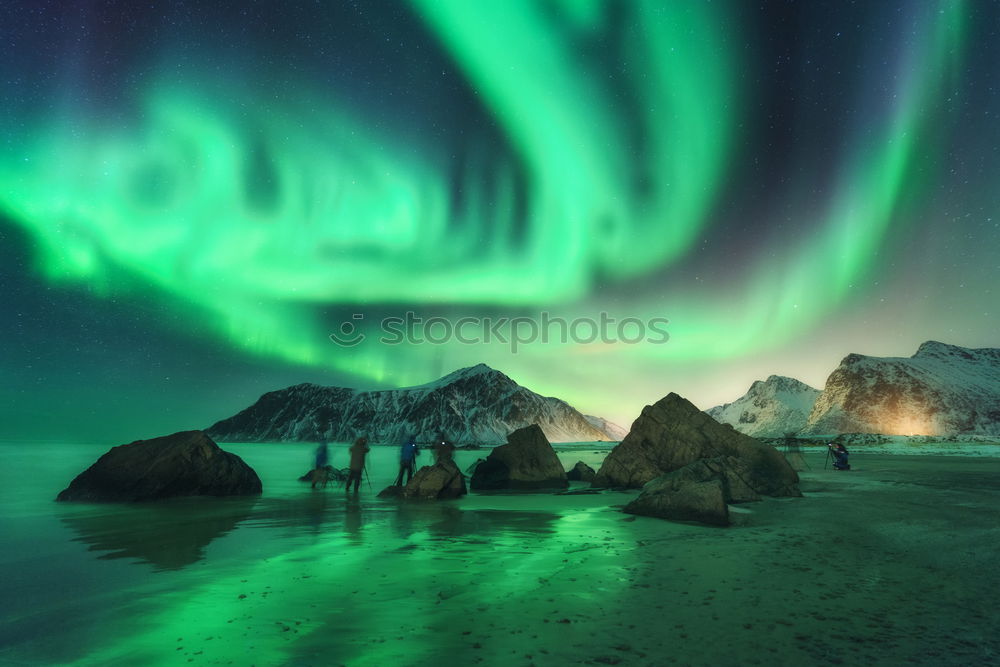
[
  {"x": 449, "y": 523},
  {"x": 169, "y": 535},
  {"x": 314, "y": 511}
]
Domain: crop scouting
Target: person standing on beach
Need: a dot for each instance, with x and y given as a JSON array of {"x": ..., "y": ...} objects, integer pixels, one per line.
[
  {"x": 358, "y": 452},
  {"x": 407, "y": 459}
]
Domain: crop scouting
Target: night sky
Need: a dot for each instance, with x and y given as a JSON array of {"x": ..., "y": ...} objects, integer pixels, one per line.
[{"x": 194, "y": 196}]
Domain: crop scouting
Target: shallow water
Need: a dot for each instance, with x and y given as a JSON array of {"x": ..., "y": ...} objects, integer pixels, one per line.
[
  {"x": 892, "y": 563},
  {"x": 293, "y": 573}
]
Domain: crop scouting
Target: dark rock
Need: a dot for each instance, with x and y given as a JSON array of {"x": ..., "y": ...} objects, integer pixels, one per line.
[
  {"x": 440, "y": 481},
  {"x": 698, "y": 492},
  {"x": 695, "y": 492},
  {"x": 188, "y": 463},
  {"x": 581, "y": 472},
  {"x": 736, "y": 476},
  {"x": 527, "y": 461},
  {"x": 332, "y": 475},
  {"x": 673, "y": 433},
  {"x": 470, "y": 470},
  {"x": 391, "y": 492}
]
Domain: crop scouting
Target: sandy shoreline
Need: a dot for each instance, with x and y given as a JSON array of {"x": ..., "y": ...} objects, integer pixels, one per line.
[
  {"x": 889, "y": 564},
  {"x": 892, "y": 563}
]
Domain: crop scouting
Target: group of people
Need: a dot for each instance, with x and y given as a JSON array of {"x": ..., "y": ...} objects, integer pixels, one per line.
[
  {"x": 443, "y": 451},
  {"x": 321, "y": 470}
]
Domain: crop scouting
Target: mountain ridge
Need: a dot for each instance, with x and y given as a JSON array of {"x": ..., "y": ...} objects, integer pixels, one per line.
[
  {"x": 473, "y": 405},
  {"x": 941, "y": 389}
]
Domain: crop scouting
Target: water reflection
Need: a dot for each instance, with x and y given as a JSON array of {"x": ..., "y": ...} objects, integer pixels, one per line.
[
  {"x": 443, "y": 523},
  {"x": 169, "y": 535},
  {"x": 174, "y": 534},
  {"x": 314, "y": 512},
  {"x": 353, "y": 521},
  {"x": 353, "y": 517}
]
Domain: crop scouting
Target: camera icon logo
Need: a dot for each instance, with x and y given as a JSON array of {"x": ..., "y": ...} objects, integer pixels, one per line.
[{"x": 348, "y": 334}]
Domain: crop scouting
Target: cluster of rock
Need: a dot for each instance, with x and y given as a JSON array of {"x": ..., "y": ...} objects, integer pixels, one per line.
[
  {"x": 700, "y": 491},
  {"x": 188, "y": 463},
  {"x": 441, "y": 481},
  {"x": 526, "y": 462},
  {"x": 690, "y": 466}
]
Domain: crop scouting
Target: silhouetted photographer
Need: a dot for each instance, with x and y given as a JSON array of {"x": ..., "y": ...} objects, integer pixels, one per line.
[{"x": 840, "y": 455}]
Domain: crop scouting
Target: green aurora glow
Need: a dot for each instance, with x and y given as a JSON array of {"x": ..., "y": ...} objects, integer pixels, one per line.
[{"x": 274, "y": 216}]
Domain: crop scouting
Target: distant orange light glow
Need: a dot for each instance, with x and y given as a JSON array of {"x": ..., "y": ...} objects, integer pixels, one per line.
[{"x": 907, "y": 423}]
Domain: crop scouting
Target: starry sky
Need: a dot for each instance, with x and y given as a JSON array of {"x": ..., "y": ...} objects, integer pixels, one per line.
[{"x": 195, "y": 196}]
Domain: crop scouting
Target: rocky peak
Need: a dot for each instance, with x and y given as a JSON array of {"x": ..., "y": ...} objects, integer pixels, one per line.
[
  {"x": 771, "y": 407},
  {"x": 480, "y": 373},
  {"x": 932, "y": 349},
  {"x": 852, "y": 359},
  {"x": 676, "y": 405},
  {"x": 776, "y": 383}
]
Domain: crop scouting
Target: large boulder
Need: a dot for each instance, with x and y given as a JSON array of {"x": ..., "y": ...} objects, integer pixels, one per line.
[
  {"x": 581, "y": 472},
  {"x": 440, "y": 481},
  {"x": 188, "y": 463},
  {"x": 696, "y": 492},
  {"x": 673, "y": 433},
  {"x": 527, "y": 461}
]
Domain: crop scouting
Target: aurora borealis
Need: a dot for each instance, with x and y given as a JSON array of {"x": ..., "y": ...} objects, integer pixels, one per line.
[{"x": 193, "y": 198}]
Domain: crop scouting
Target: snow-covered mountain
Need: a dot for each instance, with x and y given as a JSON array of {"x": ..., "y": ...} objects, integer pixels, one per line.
[
  {"x": 940, "y": 390},
  {"x": 614, "y": 432},
  {"x": 770, "y": 409},
  {"x": 475, "y": 405}
]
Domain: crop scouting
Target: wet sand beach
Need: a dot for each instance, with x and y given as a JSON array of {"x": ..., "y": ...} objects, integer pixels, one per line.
[{"x": 891, "y": 563}]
